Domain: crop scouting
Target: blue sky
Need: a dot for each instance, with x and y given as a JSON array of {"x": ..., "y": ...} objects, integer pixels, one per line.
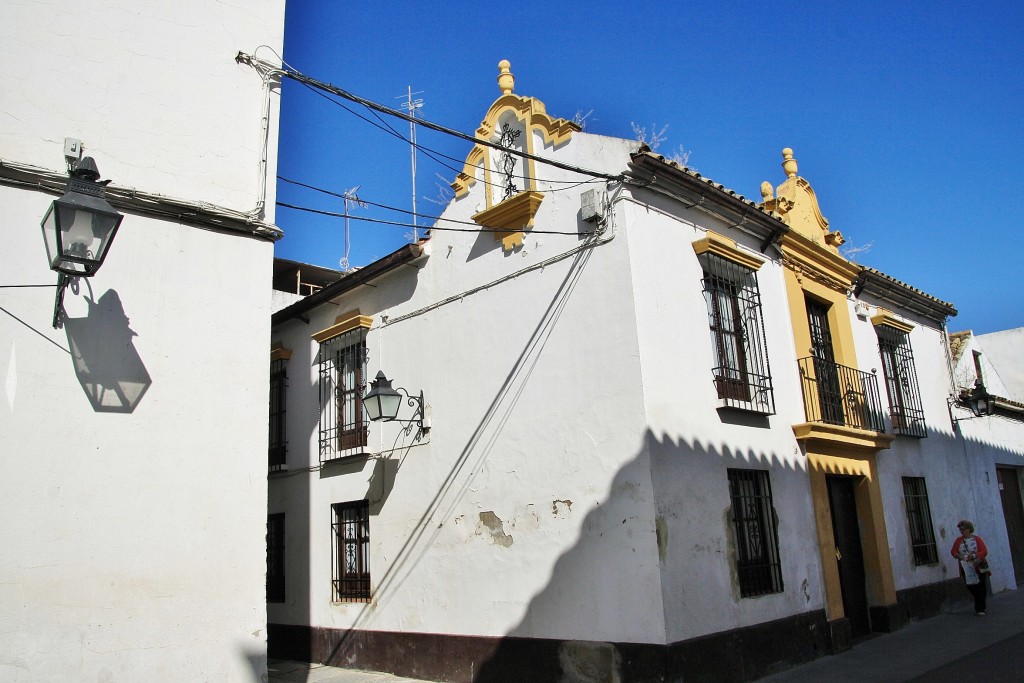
[{"x": 906, "y": 120}]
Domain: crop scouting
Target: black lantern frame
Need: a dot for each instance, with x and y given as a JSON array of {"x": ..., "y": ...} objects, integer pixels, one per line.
[
  {"x": 78, "y": 229},
  {"x": 980, "y": 401},
  {"x": 382, "y": 403}
]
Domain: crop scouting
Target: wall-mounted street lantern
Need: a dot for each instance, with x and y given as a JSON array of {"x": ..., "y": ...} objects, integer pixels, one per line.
[
  {"x": 382, "y": 403},
  {"x": 78, "y": 229},
  {"x": 980, "y": 401}
]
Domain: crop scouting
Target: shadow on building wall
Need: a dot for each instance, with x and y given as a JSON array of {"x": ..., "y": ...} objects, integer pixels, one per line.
[
  {"x": 587, "y": 579},
  {"x": 106, "y": 362}
]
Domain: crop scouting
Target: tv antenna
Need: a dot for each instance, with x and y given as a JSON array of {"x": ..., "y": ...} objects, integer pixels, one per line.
[
  {"x": 349, "y": 196},
  {"x": 412, "y": 106}
]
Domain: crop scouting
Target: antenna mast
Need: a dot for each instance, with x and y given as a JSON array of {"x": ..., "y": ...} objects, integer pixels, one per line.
[
  {"x": 349, "y": 196},
  {"x": 412, "y": 106}
]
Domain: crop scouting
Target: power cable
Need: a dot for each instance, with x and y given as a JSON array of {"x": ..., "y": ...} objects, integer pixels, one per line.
[
  {"x": 426, "y": 123},
  {"x": 383, "y": 206},
  {"x": 381, "y": 221},
  {"x": 434, "y": 154}
]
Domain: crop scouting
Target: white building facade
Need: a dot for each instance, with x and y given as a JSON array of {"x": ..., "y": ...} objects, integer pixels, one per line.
[
  {"x": 653, "y": 413},
  {"x": 993, "y": 442},
  {"x": 132, "y": 491}
]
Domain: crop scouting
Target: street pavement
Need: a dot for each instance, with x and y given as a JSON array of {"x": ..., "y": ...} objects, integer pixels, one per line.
[
  {"x": 282, "y": 671},
  {"x": 956, "y": 647},
  {"x": 959, "y": 646}
]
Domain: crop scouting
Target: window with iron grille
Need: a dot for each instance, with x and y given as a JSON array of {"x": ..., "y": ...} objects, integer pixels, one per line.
[
  {"x": 342, "y": 366},
  {"x": 278, "y": 384},
  {"x": 275, "y": 558},
  {"x": 755, "y": 531},
  {"x": 919, "y": 517},
  {"x": 351, "y": 556},
  {"x": 741, "y": 372},
  {"x": 905, "y": 409}
]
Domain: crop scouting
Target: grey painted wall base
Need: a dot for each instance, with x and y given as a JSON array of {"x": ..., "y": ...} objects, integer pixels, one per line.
[{"x": 743, "y": 654}]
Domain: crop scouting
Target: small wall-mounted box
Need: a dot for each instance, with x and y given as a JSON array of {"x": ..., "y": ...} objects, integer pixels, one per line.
[
  {"x": 591, "y": 205},
  {"x": 72, "y": 149}
]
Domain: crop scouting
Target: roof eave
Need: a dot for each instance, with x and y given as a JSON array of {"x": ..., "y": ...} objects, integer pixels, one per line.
[
  {"x": 699, "y": 191},
  {"x": 903, "y": 295},
  {"x": 401, "y": 257}
]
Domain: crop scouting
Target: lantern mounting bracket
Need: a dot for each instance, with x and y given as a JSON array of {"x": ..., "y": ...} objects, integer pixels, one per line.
[
  {"x": 58, "y": 305},
  {"x": 382, "y": 403}
]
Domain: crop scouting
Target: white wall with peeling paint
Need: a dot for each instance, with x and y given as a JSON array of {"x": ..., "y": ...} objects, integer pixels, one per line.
[
  {"x": 693, "y": 443},
  {"x": 532, "y": 488},
  {"x": 573, "y": 423},
  {"x": 133, "y": 491},
  {"x": 573, "y": 485}
]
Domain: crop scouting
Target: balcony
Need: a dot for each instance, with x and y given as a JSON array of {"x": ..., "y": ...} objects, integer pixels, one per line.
[
  {"x": 844, "y": 412},
  {"x": 839, "y": 395}
]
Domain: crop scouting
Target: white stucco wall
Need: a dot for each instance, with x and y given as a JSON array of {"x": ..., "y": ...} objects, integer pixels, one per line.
[
  {"x": 693, "y": 444},
  {"x": 534, "y": 395},
  {"x": 938, "y": 457},
  {"x": 133, "y": 490},
  {"x": 1005, "y": 349},
  {"x": 152, "y": 91},
  {"x": 575, "y": 404},
  {"x": 989, "y": 442}
]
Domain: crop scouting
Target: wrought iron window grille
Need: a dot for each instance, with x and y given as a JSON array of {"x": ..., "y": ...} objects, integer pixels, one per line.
[
  {"x": 755, "y": 529},
  {"x": 277, "y": 448},
  {"x": 508, "y": 161},
  {"x": 350, "y": 558},
  {"x": 342, "y": 372},
  {"x": 275, "y": 558},
  {"x": 905, "y": 409},
  {"x": 741, "y": 371},
  {"x": 919, "y": 518}
]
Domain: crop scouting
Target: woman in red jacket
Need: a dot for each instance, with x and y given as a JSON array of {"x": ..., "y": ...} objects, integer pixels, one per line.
[{"x": 970, "y": 550}]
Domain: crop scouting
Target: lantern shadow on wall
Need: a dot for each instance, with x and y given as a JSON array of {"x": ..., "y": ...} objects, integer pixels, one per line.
[{"x": 106, "y": 362}]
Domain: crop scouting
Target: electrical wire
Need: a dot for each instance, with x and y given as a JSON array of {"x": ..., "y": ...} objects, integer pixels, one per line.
[
  {"x": 434, "y": 154},
  {"x": 392, "y": 208},
  {"x": 150, "y": 203},
  {"x": 426, "y": 123},
  {"x": 381, "y": 221}
]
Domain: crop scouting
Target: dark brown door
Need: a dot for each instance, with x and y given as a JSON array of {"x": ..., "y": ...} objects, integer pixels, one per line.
[
  {"x": 830, "y": 398},
  {"x": 849, "y": 553},
  {"x": 1013, "y": 513}
]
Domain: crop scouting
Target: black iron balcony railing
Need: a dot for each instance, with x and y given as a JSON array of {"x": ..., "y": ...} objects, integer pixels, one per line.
[{"x": 840, "y": 395}]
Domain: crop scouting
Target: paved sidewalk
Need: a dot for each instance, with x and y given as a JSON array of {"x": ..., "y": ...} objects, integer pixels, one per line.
[
  {"x": 923, "y": 647},
  {"x": 282, "y": 671}
]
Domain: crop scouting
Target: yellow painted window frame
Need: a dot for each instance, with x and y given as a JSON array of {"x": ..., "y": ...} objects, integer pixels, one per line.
[{"x": 722, "y": 246}]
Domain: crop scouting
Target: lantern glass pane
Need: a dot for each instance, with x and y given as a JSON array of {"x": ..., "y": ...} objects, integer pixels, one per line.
[
  {"x": 49, "y": 225},
  {"x": 372, "y": 405},
  {"x": 389, "y": 405},
  {"x": 78, "y": 239}
]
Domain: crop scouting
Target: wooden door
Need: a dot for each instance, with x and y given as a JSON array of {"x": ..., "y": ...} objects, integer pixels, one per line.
[
  {"x": 1013, "y": 513},
  {"x": 849, "y": 552},
  {"x": 830, "y": 398}
]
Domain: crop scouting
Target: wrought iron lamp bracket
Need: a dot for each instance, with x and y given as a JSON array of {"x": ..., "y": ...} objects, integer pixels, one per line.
[{"x": 416, "y": 403}]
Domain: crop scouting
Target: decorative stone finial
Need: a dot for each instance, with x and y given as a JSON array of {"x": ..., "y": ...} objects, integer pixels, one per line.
[
  {"x": 766, "y": 190},
  {"x": 506, "y": 81},
  {"x": 788, "y": 162}
]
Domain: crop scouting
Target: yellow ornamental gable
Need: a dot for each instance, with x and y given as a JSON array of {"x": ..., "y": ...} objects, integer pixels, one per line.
[
  {"x": 797, "y": 206},
  {"x": 512, "y": 123},
  {"x": 810, "y": 249}
]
